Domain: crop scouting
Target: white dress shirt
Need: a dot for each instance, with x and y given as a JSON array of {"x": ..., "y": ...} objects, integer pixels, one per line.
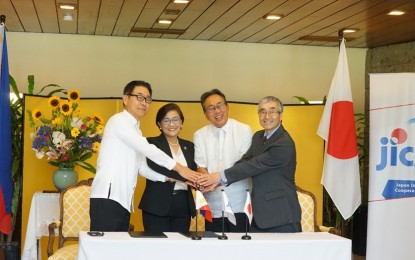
[
  {"x": 217, "y": 149},
  {"x": 122, "y": 155}
]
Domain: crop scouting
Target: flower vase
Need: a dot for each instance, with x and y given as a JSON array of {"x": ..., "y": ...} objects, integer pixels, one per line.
[{"x": 64, "y": 177}]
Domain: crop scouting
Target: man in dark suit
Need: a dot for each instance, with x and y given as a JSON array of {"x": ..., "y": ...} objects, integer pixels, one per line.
[{"x": 271, "y": 163}]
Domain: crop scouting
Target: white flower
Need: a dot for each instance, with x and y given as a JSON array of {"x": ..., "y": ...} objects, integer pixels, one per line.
[
  {"x": 39, "y": 154},
  {"x": 58, "y": 138},
  {"x": 77, "y": 122},
  {"x": 67, "y": 144}
]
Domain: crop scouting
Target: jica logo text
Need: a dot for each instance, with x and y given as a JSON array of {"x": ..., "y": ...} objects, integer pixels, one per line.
[{"x": 393, "y": 152}]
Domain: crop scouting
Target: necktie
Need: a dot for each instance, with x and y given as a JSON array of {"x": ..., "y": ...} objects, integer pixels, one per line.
[{"x": 264, "y": 139}]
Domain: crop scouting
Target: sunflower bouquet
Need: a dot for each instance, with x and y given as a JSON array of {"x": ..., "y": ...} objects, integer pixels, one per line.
[{"x": 67, "y": 137}]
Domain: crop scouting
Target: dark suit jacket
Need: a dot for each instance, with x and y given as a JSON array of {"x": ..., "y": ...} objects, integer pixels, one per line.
[
  {"x": 272, "y": 168},
  {"x": 157, "y": 196}
]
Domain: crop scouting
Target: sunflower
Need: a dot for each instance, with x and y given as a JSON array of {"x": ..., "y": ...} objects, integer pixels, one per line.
[
  {"x": 97, "y": 118},
  {"x": 75, "y": 132},
  {"x": 66, "y": 108},
  {"x": 57, "y": 121},
  {"x": 99, "y": 128},
  {"x": 78, "y": 111},
  {"x": 54, "y": 102},
  {"x": 96, "y": 146},
  {"x": 74, "y": 95},
  {"x": 36, "y": 114}
]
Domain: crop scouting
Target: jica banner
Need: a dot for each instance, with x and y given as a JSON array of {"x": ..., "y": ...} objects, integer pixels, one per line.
[{"x": 391, "y": 218}]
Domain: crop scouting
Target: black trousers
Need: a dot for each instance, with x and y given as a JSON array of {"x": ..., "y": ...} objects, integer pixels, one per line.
[
  {"x": 177, "y": 218},
  {"x": 288, "y": 228},
  {"x": 108, "y": 215}
]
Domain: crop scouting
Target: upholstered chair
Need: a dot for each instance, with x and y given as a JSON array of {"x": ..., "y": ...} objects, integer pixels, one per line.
[
  {"x": 74, "y": 217},
  {"x": 308, "y": 204}
]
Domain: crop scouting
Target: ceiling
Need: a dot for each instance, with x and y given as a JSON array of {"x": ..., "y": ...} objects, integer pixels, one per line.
[{"x": 304, "y": 22}]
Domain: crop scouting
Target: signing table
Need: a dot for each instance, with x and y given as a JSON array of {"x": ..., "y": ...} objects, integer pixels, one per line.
[
  {"x": 43, "y": 210},
  {"x": 310, "y": 246}
]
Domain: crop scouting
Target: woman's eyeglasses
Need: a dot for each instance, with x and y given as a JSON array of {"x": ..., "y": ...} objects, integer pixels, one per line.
[{"x": 174, "y": 120}]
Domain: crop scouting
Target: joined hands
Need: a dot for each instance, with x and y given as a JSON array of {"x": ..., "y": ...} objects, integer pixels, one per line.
[
  {"x": 202, "y": 181},
  {"x": 208, "y": 182}
]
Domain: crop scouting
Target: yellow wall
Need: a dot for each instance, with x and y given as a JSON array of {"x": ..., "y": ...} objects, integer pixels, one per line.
[{"x": 300, "y": 121}]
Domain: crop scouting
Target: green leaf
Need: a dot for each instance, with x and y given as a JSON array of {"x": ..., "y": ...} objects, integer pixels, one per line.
[
  {"x": 324, "y": 100},
  {"x": 53, "y": 163},
  {"x": 16, "y": 195},
  {"x": 86, "y": 166},
  {"x": 13, "y": 85},
  {"x": 302, "y": 99},
  {"x": 85, "y": 156},
  {"x": 58, "y": 90},
  {"x": 31, "y": 84},
  {"x": 45, "y": 121}
]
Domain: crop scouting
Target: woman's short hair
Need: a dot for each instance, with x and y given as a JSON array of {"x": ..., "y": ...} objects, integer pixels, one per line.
[{"x": 167, "y": 108}]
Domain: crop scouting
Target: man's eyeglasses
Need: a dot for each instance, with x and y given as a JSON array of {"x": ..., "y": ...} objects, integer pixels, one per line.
[
  {"x": 271, "y": 112},
  {"x": 140, "y": 97},
  {"x": 174, "y": 120},
  {"x": 212, "y": 108}
]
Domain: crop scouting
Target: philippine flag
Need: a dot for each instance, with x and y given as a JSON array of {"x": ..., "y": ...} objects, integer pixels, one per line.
[
  {"x": 227, "y": 209},
  {"x": 248, "y": 207},
  {"x": 337, "y": 127},
  {"x": 203, "y": 206}
]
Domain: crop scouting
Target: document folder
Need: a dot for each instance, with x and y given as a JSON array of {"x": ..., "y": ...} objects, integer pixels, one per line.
[
  {"x": 147, "y": 234},
  {"x": 199, "y": 233}
]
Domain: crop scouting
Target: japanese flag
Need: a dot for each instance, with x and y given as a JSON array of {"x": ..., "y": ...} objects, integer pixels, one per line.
[{"x": 337, "y": 127}]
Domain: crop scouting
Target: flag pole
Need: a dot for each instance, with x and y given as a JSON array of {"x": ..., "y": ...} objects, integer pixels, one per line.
[
  {"x": 223, "y": 236},
  {"x": 340, "y": 35},
  {"x": 246, "y": 236},
  {"x": 342, "y": 220},
  {"x": 196, "y": 236}
]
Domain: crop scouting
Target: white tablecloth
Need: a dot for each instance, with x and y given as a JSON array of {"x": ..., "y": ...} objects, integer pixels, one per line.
[
  {"x": 43, "y": 210},
  {"x": 310, "y": 246}
]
